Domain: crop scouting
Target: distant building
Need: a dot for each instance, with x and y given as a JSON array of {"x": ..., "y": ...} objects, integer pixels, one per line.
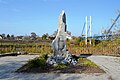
[
  {"x": 26, "y": 38},
  {"x": 19, "y": 38},
  {"x": 1, "y": 37}
]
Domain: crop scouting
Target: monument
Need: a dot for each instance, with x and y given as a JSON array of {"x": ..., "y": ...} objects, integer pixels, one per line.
[
  {"x": 59, "y": 43},
  {"x": 61, "y": 55}
]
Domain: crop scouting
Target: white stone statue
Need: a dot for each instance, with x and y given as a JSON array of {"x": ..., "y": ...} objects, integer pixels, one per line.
[
  {"x": 59, "y": 43},
  {"x": 61, "y": 55}
]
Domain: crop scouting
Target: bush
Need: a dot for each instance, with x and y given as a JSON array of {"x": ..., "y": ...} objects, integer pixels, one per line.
[
  {"x": 37, "y": 62},
  {"x": 44, "y": 56},
  {"x": 78, "y": 40}
]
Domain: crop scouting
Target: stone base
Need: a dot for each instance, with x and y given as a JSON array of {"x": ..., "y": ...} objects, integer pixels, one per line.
[{"x": 68, "y": 59}]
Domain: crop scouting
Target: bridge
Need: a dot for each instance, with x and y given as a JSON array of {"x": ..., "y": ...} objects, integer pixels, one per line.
[{"x": 106, "y": 36}]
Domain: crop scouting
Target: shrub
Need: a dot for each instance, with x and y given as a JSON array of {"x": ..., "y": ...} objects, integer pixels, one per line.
[
  {"x": 44, "y": 56},
  {"x": 78, "y": 40},
  {"x": 37, "y": 62}
]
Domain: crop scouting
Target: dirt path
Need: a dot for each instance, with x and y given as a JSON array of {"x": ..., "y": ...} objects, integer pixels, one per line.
[
  {"x": 9, "y": 64},
  {"x": 109, "y": 64}
]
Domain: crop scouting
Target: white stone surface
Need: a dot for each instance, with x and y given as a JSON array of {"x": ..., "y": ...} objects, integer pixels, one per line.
[
  {"x": 59, "y": 43},
  {"x": 111, "y": 65}
]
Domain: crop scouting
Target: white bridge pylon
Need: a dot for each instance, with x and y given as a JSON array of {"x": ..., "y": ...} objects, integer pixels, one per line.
[{"x": 90, "y": 27}]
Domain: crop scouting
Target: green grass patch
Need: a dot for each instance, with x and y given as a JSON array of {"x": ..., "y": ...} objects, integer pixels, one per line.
[
  {"x": 81, "y": 59},
  {"x": 87, "y": 62},
  {"x": 60, "y": 66}
]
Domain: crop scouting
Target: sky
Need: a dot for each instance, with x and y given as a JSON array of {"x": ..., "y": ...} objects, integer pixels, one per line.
[{"x": 21, "y": 17}]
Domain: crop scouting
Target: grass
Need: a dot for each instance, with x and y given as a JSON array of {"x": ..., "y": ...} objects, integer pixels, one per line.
[
  {"x": 87, "y": 62},
  {"x": 25, "y": 46},
  {"x": 74, "y": 46},
  {"x": 103, "y": 47},
  {"x": 60, "y": 66}
]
